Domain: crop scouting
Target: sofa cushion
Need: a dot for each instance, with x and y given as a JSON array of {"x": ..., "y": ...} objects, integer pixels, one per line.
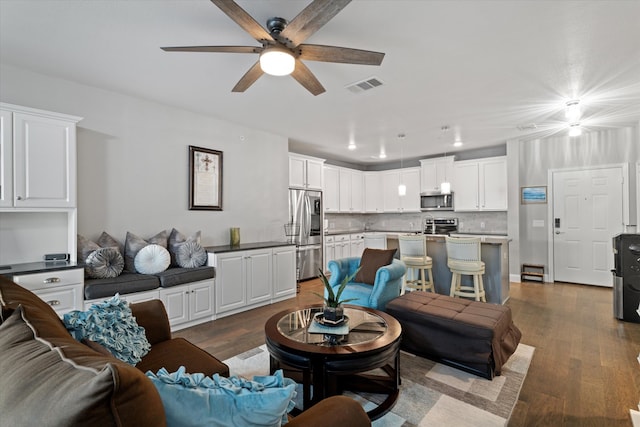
[
  {"x": 371, "y": 261},
  {"x": 104, "y": 263},
  {"x": 125, "y": 283},
  {"x": 60, "y": 382},
  {"x": 179, "y": 276},
  {"x": 152, "y": 259},
  {"x": 133, "y": 244},
  {"x": 176, "y": 352},
  {"x": 196, "y": 400},
  {"x": 111, "y": 324},
  {"x": 107, "y": 241}
]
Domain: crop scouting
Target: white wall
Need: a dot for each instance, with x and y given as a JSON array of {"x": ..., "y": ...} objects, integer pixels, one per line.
[
  {"x": 536, "y": 158},
  {"x": 133, "y": 163}
]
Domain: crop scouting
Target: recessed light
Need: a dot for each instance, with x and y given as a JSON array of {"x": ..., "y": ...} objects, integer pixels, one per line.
[
  {"x": 352, "y": 146},
  {"x": 457, "y": 144},
  {"x": 382, "y": 155}
]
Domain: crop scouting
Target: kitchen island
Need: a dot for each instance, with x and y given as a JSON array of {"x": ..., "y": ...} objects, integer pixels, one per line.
[{"x": 494, "y": 252}]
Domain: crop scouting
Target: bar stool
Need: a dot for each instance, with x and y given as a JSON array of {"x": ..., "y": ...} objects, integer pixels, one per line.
[
  {"x": 413, "y": 252},
  {"x": 463, "y": 258}
]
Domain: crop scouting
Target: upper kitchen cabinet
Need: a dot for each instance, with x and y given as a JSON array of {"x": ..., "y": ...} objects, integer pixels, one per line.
[
  {"x": 351, "y": 184},
  {"x": 38, "y": 150},
  {"x": 373, "y": 200},
  {"x": 433, "y": 172},
  {"x": 481, "y": 185},
  {"x": 305, "y": 172},
  {"x": 331, "y": 189},
  {"x": 392, "y": 201}
]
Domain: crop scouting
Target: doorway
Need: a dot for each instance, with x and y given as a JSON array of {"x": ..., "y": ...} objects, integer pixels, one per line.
[{"x": 586, "y": 212}]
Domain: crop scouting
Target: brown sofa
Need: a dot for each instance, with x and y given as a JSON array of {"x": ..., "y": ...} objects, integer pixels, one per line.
[{"x": 47, "y": 378}]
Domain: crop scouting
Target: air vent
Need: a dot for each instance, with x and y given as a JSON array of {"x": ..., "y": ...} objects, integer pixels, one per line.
[{"x": 364, "y": 85}]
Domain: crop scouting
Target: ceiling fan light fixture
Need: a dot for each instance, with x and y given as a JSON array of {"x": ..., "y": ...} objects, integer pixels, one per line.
[
  {"x": 277, "y": 61},
  {"x": 575, "y": 129}
]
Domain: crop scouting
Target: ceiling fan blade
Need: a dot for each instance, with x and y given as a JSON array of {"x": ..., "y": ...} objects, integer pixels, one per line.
[
  {"x": 305, "y": 77},
  {"x": 242, "y": 18},
  {"x": 227, "y": 49},
  {"x": 310, "y": 20},
  {"x": 249, "y": 78},
  {"x": 314, "y": 52}
]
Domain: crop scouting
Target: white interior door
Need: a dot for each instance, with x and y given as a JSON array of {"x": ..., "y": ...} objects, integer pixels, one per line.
[{"x": 587, "y": 213}]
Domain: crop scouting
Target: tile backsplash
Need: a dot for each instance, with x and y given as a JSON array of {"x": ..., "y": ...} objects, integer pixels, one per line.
[{"x": 469, "y": 222}]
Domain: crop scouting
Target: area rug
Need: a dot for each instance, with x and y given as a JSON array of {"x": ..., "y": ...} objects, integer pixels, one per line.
[{"x": 431, "y": 394}]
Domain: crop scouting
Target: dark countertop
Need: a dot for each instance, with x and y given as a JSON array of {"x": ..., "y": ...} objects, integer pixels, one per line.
[
  {"x": 245, "y": 247},
  {"x": 37, "y": 267}
]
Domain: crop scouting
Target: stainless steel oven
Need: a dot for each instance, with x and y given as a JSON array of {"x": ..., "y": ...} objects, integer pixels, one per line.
[{"x": 436, "y": 201}]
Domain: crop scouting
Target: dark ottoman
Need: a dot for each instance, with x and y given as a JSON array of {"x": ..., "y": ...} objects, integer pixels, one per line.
[{"x": 474, "y": 336}]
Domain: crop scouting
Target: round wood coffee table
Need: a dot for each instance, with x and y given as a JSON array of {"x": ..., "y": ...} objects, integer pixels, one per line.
[{"x": 329, "y": 363}]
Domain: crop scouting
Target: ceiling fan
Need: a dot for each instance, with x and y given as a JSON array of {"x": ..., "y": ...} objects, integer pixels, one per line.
[{"x": 286, "y": 40}]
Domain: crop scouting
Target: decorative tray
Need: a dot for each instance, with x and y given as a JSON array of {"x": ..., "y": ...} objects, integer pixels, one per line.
[{"x": 319, "y": 317}]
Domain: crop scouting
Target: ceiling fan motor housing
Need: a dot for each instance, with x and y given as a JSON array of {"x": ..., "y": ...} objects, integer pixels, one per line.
[{"x": 276, "y": 25}]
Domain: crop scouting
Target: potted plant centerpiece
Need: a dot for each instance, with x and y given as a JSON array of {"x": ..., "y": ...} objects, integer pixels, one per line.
[{"x": 333, "y": 311}]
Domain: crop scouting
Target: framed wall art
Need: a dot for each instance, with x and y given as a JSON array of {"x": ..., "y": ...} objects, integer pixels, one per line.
[
  {"x": 205, "y": 179},
  {"x": 533, "y": 195}
]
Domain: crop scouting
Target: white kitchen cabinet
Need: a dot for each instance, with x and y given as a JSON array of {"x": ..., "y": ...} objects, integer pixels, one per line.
[
  {"x": 351, "y": 189},
  {"x": 356, "y": 246},
  {"x": 342, "y": 246},
  {"x": 329, "y": 251},
  {"x": 189, "y": 304},
  {"x": 481, "y": 185},
  {"x": 284, "y": 272},
  {"x": 373, "y": 200},
  {"x": 375, "y": 240},
  {"x": 305, "y": 172},
  {"x": 63, "y": 290},
  {"x": 6, "y": 159},
  {"x": 392, "y": 201},
  {"x": 331, "y": 193},
  {"x": 44, "y": 158},
  {"x": 435, "y": 171},
  {"x": 132, "y": 298}
]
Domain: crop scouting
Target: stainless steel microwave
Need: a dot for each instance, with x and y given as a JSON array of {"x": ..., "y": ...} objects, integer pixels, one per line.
[{"x": 436, "y": 201}]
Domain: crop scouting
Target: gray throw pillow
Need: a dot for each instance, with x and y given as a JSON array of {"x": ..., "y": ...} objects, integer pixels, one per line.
[
  {"x": 190, "y": 255},
  {"x": 106, "y": 241},
  {"x": 133, "y": 244},
  {"x": 176, "y": 239},
  {"x": 104, "y": 263},
  {"x": 85, "y": 247}
]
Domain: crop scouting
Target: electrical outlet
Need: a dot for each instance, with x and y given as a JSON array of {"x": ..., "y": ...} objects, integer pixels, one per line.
[{"x": 482, "y": 225}]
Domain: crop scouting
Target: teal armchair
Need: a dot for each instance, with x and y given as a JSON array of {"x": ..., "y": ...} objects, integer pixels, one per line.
[{"x": 387, "y": 284}]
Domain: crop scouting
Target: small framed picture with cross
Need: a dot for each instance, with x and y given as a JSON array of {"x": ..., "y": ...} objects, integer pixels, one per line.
[{"x": 205, "y": 179}]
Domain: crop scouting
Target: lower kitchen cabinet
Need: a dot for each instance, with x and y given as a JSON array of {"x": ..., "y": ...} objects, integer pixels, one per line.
[
  {"x": 284, "y": 273},
  {"x": 247, "y": 279},
  {"x": 189, "y": 304},
  {"x": 63, "y": 290}
]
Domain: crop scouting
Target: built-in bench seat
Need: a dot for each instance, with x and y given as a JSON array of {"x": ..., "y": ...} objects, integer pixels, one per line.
[{"x": 129, "y": 283}]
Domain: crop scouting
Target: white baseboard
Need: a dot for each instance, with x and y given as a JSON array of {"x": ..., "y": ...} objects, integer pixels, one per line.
[{"x": 516, "y": 279}]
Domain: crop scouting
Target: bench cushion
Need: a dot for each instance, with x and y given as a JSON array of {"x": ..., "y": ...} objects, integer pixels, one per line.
[
  {"x": 477, "y": 335},
  {"x": 179, "y": 276},
  {"x": 126, "y": 283}
]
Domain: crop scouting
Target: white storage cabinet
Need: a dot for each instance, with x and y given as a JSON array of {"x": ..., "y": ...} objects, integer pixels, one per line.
[
  {"x": 63, "y": 290},
  {"x": 481, "y": 185},
  {"x": 188, "y": 304}
]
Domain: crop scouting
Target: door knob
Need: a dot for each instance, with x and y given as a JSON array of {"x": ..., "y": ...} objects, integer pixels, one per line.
[{"x": 558, "y": 232}]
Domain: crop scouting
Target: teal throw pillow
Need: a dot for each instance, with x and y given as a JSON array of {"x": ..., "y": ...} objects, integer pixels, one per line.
[
  {"x": 111, "y": 324},
  {"x": 195, "y": 400}
]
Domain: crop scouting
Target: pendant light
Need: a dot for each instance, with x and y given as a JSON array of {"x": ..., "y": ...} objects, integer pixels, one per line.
[
  {"x": 402, "y": 189},
  {"x": 445, "y": 186}
]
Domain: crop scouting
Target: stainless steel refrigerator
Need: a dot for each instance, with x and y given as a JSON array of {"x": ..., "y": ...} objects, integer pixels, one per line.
[{"x": 305, "y": 211}]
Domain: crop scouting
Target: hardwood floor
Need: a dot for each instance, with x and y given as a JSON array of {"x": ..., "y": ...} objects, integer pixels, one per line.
[{"x": 584, "y": 370}]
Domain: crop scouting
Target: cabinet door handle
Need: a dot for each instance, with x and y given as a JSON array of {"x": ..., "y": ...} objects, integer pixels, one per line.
[
  {"x": 51, "y": 280},
  {"x": 53, "y": 302},
  {"x": 18, "y": 197}
]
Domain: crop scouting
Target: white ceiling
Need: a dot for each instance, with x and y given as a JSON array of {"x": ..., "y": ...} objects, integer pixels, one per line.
[{"x": 483, "y": 68}]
